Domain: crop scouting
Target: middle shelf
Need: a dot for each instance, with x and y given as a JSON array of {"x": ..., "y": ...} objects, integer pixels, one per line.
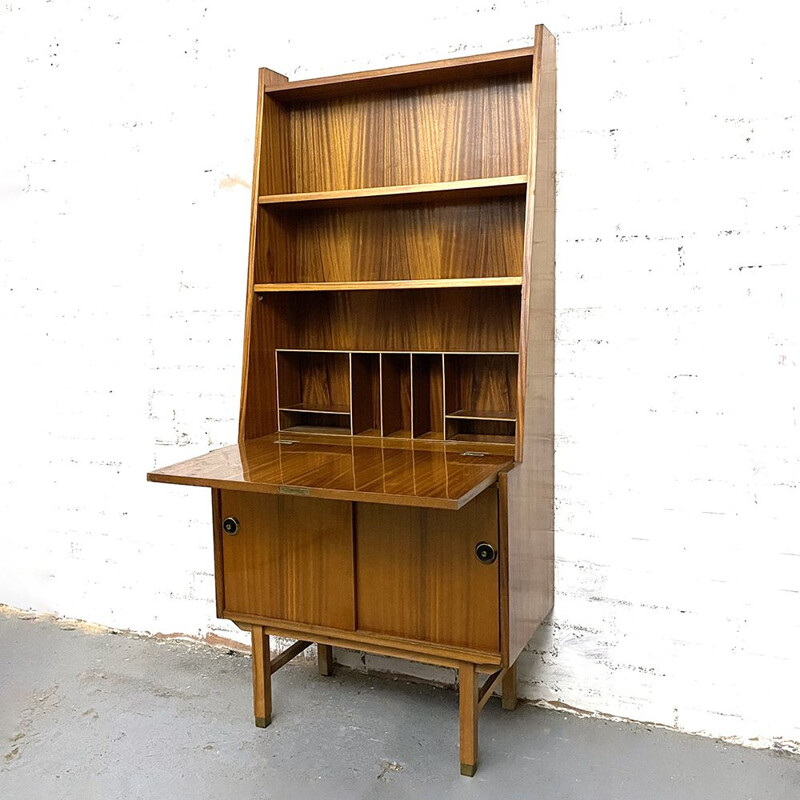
[{"x": 407, "y": 395}]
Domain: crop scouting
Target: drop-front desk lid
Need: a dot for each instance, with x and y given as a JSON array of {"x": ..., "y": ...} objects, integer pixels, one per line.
[{"x": 430, "y": 474}]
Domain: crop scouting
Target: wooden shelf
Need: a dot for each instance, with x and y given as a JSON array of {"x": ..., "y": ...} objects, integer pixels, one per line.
[
  {"x": 481, "y": 66},
  {"x": 322, "y": 429},
  {"x": 502, "y": 416},
  {"x": 481, "y": 438},
  {"x": 439, "y": 283},
  {"x": 341, "y": 410},
  {"x": 448, "y": 191}
]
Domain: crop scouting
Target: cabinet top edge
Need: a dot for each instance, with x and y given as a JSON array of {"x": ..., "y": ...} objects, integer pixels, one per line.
[{"x": 504, "y": 62}]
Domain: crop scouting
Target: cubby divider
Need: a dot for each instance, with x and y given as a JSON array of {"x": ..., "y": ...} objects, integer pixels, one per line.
[
  {"x": 366, "y": 393},
  {"x": 408, "y": 395},
  {"x": 427, "y": 381},
  {"x": 396, "y": 394}
]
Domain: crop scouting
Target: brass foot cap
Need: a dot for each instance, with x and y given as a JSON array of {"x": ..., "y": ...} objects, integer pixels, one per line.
[
  {"x": 262, "y": 722},
  {"x": 468, "y": 769}
]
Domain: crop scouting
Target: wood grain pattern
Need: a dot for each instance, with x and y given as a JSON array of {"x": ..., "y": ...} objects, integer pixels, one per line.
[
  {"x": 409, "y": 241},
  {"x": 449, "y": 131},
  {"x": 314, "y": 381},
  {"x": 366, "y": 393},
  {"x": 447, "y": 191},
  {"x": 431, "y": 72},
  {"x": 481, "y": 386},
  {"x": 418, "y": 577},
  {"x": 292, "y": 559},
  {"x": 428, "y": 395},
  {"x": 529, "y": 487},
  {"x": 422, "y": 473},
  {"x": 396, "y": 394},
  {"x": 257, "y": 412},
  {"x": 427, "y": 320}
]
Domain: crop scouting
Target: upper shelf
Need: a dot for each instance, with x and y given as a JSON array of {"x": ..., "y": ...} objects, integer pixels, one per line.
[
  {"x": 450, "y": 190},
  {"x": 344, "y": 286},
  {"x": 503, "y": 63}
]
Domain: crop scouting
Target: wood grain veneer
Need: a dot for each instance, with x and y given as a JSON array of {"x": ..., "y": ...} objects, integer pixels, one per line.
[
  {"x": 291, "y": 559},
  {"x": 385, "y": 432},
  {"x": 428, "y": 475},
  {"x": 409, "y": 241},
  {"x": 418, "y": 576},
  {"x": 447, "y": 131}
]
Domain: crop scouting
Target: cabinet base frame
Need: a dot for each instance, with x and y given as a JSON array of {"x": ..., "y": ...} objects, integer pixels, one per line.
[{"x": 472, "y": 697}]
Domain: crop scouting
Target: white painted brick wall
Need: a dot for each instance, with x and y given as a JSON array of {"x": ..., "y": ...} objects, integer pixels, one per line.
[{"x": 125, "y": 156}]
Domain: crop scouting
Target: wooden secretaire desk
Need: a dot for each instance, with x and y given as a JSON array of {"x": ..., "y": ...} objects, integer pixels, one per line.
[{"x": 392, "y": 488}]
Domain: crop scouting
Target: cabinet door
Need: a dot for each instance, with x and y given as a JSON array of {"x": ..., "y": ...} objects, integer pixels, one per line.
[
  {"x": 290, "y": 559},
  {"x": 418, "y": 576}
]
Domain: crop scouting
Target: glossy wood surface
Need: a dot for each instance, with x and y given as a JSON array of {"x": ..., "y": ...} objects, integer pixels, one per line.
[
  {"x": 430, "y": 476},
  {"x": 291, "y": 559},
  {"x": 418, "y": 575},
  {"x": 447, "y": 191},
  {"x": 498, "y": 63},
  {"x": 434, "y": 177},
  {"x": 392, "y": 242}
]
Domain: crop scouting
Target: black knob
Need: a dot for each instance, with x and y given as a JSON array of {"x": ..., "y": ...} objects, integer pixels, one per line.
[
  {"x": 485, "y": 552},
  {"x": 230, "y": 525}
]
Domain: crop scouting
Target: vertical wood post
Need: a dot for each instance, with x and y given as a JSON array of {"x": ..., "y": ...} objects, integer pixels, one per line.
[
  {"x": 468, "y": 718},
  {"x": 510, "y": 688},
  {"x": 262, "y": 677},
  {"x": 325, "y": 659}
]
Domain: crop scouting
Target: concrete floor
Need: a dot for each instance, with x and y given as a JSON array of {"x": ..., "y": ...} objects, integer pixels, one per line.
[{"x": 85, "y": 715}]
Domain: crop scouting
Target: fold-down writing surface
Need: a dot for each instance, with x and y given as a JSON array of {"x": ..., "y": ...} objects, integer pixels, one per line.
[{"x": 433, "y": 476}]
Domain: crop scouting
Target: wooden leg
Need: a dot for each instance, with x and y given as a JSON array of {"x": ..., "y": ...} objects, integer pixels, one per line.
[
  {"x": 325, "y": 659},
  {"x": 468, "y": 718},
  {"x": 510, "y": 688},
  {"x": 262, "y": 678}
]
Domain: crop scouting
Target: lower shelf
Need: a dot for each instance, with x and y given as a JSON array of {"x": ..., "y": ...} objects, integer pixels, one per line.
[
  {"x": 465, "y": 429},
  {"x": 314, "y": 422}
]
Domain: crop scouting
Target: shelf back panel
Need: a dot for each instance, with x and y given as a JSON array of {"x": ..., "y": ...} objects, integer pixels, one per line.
[
  {"x": 448, "y": 131},
  {"x": 477, "y": 239},
  {"x": 432, "y": 320}
]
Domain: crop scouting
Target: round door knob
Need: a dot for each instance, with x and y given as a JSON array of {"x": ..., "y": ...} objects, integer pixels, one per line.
[
  {"x": 230, "y": 525},
  {"x": 485, "y": 552}
]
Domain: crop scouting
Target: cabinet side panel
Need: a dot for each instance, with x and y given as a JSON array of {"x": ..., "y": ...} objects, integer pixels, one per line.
[
  {"x": 530, "y": 486},
  {"x": 526, "y": 529},
  {"x": 258, "y": 413}
]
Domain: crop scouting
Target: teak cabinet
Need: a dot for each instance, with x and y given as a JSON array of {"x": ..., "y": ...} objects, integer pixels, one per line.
[{"x": 392, "y": 486}]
